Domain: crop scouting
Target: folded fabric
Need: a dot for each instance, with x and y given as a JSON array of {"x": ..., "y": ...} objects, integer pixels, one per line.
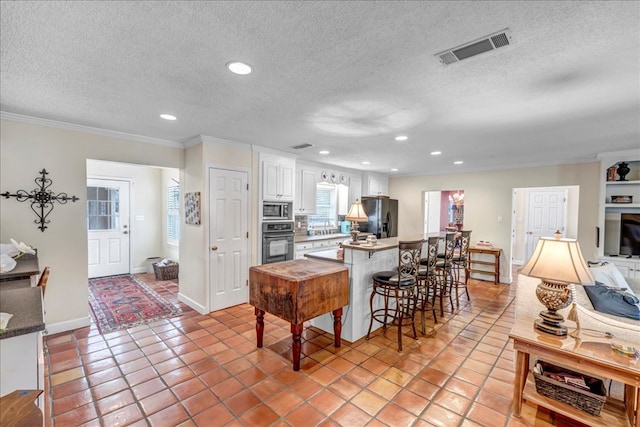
[
  {"x": 609, "y": 275},
  {"x": 613, "y": 300}
]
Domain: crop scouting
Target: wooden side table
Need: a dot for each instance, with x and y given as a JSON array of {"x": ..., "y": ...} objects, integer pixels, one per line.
[
  {"x": 297, "y": 291},
  {"x": 494, "y": 264},
  {"x": 591, "y": 358}
]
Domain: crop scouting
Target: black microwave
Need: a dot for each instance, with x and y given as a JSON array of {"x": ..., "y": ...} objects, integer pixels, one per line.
[{"x": 276, "y": 210}]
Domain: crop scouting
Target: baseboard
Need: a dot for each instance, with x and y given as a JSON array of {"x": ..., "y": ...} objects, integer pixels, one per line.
[
  {"x": 191, "y": 303},
  {"x": 68, "y": 325},
  {"x": 139, "y": 270}
]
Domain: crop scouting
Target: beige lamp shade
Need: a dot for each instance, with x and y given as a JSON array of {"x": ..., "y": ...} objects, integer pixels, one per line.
[
  {"x": 558, "y": 260},
  {"x": 356, "y": 213}
]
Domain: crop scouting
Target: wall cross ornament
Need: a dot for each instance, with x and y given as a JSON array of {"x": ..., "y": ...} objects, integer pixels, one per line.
[{"x": 41, "y": 199}]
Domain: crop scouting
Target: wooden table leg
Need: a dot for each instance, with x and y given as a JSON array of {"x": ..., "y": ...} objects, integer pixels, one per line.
[
  {"x": 259, "y": 325},
  {"x": 337, "y": 327},
  {"x": 296, "y": 332},
  {"x": 522, "y": 370}
]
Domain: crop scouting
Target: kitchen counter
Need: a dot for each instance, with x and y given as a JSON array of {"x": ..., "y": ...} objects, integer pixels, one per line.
[
  {"x": 381, "y": 245},
  {"x": 300, "y": 239},
  {"x": 26, "y": 306},
  {"x": 330, "y": 255}
]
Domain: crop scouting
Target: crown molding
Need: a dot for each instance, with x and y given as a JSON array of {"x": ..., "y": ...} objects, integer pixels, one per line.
[
  {"x": 87, "y": 129},
  {"x": 204, "y": 139}
]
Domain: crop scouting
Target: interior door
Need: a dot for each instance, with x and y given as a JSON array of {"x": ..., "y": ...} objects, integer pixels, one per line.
[
  {"x": 546, "y": 214},
  {"x": 228, "y": 237},
  {"x": 108, "y": 227}
]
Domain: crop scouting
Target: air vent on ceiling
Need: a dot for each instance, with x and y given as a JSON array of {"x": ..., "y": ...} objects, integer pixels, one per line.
[
  {"x": 301, "y": 146},
  {"x": 476, "y": 47}
]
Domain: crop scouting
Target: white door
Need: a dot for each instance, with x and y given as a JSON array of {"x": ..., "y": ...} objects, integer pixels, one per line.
[
  {"x": 431, "y": 211},
  {"x": 546, "y": 213},
  {"x": 108, "y": 227},
  {"x": 228, "y": 238}
]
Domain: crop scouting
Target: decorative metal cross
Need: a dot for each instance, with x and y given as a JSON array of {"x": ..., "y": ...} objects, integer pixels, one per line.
[{"x": 41, "y": 199}]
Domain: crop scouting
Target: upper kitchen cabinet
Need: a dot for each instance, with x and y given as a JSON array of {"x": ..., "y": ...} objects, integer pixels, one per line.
[
  {"x": 305, "y": 203},
  {"x": 375, "y": 185},
  {"x": 278, "y": 178},
  {"x": 355, "y": 189}
]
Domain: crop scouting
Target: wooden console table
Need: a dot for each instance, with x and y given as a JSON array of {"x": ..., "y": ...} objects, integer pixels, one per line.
[
  {"x": 494, "y": 264},
  {"x": 297, "y": 291},
  {"x": 591, "y": 358}
]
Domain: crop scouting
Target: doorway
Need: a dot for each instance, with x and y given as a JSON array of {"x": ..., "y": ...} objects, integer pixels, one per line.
[
  {"x": 442, "y": 210},
  {"x": 108, "y": 237},
  {"x": 539, "y": 212},
  {"x": 228, "y": 237}
]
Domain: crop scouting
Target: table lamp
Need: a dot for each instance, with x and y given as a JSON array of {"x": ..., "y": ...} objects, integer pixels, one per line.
[
  {"x": 356, "y": 215},
  {"x": 559, "y": 263}
]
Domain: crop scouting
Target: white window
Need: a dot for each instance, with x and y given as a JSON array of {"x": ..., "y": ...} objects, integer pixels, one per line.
[
  {"x": 326, "y": 206},
  {"x": 173, "y": 214}
]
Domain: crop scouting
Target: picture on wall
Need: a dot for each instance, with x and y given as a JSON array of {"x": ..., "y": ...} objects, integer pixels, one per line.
[{"x": 192, "y": 208}]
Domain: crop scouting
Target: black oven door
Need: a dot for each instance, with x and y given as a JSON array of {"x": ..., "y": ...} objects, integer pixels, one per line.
[{"x": 277, "y": 247}]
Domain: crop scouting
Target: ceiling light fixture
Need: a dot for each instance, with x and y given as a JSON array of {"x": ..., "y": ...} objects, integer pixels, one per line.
[
  {"x": 458, "y": 162},
  {"x": 238, "y": 67},
  {"x": 365, "y": 162},
  {"x": 394, "y": 169},
  {"x": 401, "y": 138},
  {"x": 324, "y": 152},
  {"x": 168, "y": 117},
  {"x": 436, "y": 153}
]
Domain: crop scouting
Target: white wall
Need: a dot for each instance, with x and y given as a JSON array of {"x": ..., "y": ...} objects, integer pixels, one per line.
[
  {"x": 27, "y": 148},
  {"x": 488, "y": 195}
]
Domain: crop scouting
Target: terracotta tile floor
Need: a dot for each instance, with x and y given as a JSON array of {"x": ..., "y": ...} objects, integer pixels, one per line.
[{"x": 205, "y": 370}]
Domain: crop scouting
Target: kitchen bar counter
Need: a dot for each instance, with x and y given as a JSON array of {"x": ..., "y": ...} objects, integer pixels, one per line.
[
  {"x": 26, "y": 306},
  {"x": 301, "y": 239}
]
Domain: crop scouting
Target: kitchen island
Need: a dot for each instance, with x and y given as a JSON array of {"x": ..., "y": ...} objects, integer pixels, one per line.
[{"x": 362, "y": 261}]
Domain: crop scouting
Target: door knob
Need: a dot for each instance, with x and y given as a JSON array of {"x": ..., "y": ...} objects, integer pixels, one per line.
[
  {"x": 125, "y": 232},
  {"x": 214, "y": 248}
]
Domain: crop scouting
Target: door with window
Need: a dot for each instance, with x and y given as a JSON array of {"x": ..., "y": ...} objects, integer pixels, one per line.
[{"x": 108, "y": 227}]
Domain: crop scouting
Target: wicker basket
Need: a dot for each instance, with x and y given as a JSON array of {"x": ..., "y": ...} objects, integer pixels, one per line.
[
  {"x": 589, "y": 401},
  {"x": 166, "y": 272}
]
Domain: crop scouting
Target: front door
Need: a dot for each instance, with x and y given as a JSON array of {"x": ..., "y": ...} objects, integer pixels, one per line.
[
  {"x": 108, "y": 227},
  {"x": 228, "y": 237},
  {"x": 546, "y": 213}
]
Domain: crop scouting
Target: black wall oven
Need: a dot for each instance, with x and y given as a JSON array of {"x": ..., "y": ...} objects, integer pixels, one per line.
[{"x": 277, "y": 241}]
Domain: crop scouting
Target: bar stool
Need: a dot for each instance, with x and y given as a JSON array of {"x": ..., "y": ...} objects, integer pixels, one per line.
[
  {"x": 460, "y": 264},
  {"x": 399, "y": 291},
  {"x": 444, "y": 270},
  {"x": 427, "y": 281}
]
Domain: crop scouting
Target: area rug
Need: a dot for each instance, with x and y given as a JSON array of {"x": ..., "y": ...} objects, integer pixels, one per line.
[{"x": 121, "y": 302}]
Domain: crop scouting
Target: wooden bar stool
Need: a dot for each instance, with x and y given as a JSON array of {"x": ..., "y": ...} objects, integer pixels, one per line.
[
  {"x": 427, "y": 281},
  {"x": 460, "y": 265},
  {"x": 444, "y": 270},
  {"x": 399, "y": 291}
]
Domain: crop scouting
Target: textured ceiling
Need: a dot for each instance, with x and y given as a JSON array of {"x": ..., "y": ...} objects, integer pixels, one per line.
[{"x": 343, "y": 76}]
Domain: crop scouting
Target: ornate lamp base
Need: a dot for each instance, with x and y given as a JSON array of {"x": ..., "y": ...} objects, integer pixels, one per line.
[{"x": 554, "y": 296}]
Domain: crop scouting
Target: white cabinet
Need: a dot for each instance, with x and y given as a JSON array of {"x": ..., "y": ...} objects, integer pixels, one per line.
[
  {"x": 303, "y": 248},
  {"x": 278, "y": 178},
  {"x": 376, "y": 185},
  {"x": 610, "y": 213},
  {"x": 305, "y": 203}
]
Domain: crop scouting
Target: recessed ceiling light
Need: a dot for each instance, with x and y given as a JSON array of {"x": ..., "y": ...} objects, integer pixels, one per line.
[
  {"x": 365, "y": 162},
  {"x": 458, "y": 162},
  {"x": 324, "y": 152},
  {"x": 436, "y": 153},
  {"x": 394, "y": 169},
  {"x": 238, "y": 67},
  {"x": 402, "y": 138},
  {"x": 168, "y": 117}
]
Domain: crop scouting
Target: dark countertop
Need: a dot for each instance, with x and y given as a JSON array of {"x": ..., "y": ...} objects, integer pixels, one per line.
[
  {"x": 26, "y": 266},
  {"x": 328, "y": 255},
  {"x": 26, "y": 306}
]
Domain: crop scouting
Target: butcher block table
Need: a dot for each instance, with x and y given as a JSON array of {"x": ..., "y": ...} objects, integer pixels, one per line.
[{"x": 297, "y": 291}]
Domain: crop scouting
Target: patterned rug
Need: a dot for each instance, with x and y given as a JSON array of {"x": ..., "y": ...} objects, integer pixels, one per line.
[{"x": 121, "y": 302}]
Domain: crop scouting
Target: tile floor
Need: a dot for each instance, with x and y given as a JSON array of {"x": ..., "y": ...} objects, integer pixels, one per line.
[{"x": 205, "y": 370}]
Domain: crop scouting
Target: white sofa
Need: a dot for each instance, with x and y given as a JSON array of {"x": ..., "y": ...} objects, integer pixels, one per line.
[{"x": 593, "y": 323}]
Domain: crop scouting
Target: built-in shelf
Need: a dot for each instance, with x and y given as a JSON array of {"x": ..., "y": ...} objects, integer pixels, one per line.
[
  {"x": 622, "y": 182},
  {"x": 622, "y": 205}
]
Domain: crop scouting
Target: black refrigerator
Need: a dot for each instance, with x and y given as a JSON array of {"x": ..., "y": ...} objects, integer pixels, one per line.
[{"x": 383, "y": 217}]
